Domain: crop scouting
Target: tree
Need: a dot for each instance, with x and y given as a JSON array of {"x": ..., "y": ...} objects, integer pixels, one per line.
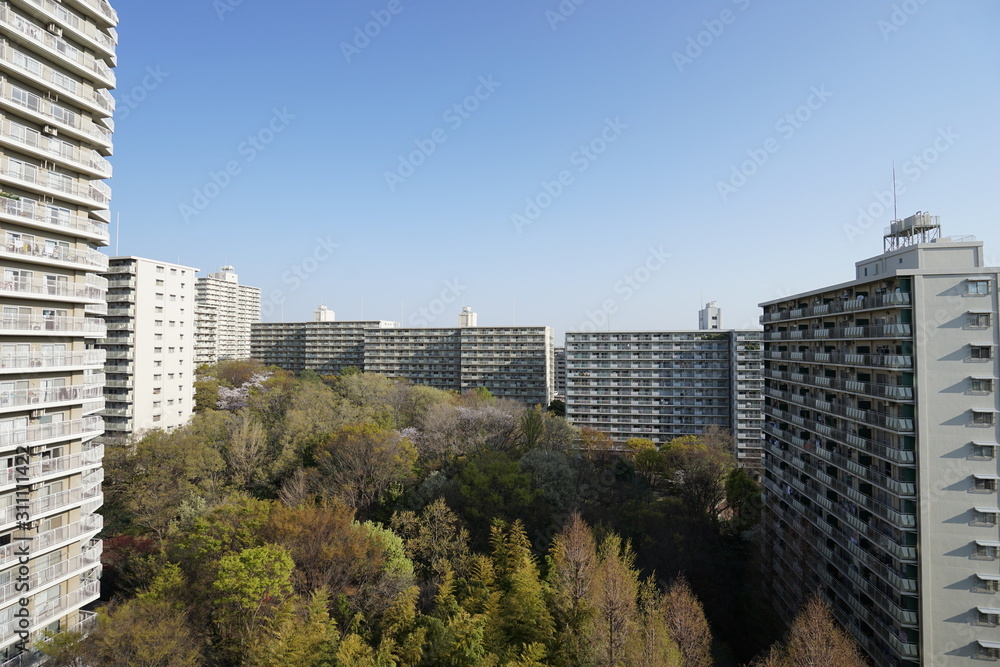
[
  {"x": 687, "y": 624},
  {"x": 246, "y": 453},
  {"x": 532, "y": 427},
  {"x": 814, "y": 640},
  {"x": 742, "y": 500},
  {"x": 251, "y": 585},
  {"x": 614, "y": 594},
  {"x": 435, "y": 539},
  {"x": 700, "y": 467},
  {"x": 572, "y": 565},
  {"x": 522, "y": 617},
  {"x": 557, "y": 407},
  {"x": 301, "y": 633},
  {"x": 362, "y": 463}
]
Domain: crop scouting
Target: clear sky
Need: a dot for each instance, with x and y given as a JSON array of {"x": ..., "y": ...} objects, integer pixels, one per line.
[{"x": 546, "y": 162}]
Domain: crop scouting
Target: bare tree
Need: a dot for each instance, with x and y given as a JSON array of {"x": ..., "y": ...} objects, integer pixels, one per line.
[{"x": 687, "y": 624}]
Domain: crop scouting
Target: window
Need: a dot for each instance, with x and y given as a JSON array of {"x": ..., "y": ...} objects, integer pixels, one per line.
[
  {"x": 157, "y": 377},
  {"x": 986, "y": 550},
  {"x": 157, "y": 336},
  {"x": 979, "y": 320},
  {"x": 158, "y": 323},
  {"x": 159, "y": 296},
  {"x": 984, "y": 516},
  {"x": 156, "y": 391},
  {"x": 985, "y": 483},
  {"x": 156, "y": 418},
  {"x": 982, "y": 385},
  {"x": 983, "y": 418},
  {"x": 988, "y": 650},
  {"x": 173, "y": 323},
  {"x": 158, "y": 310},
  {"x": 977, "y": 287},
  {"x": 159, "y": 269},
  {"x": 159, "y": 283},
  {"x": 156, "y": 404},
  {"x": 173, "y": 272},
  {"x": 987, "y": 616},
  {"x": 981, "y": 352},
  {"x": 984, "y": 450},
  {"x": 173, "y": 297},
  {"x": 170, "y": 376},
  {"x": 987, "y": 583},
  {"x": 157, "y": 350},
  {"x": 170, "y": 350},
  {"x": 157, "y": 362}
]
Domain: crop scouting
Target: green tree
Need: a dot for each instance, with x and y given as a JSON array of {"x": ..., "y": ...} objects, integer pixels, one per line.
[
  {"x": 251, "y": 586},
  {"x": 363, "y": 463},
  {"x": 743, "y": 500}
]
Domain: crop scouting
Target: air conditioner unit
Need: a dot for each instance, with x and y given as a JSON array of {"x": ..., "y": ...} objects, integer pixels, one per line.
[
  {"x": 35, "y": 414},
  {"x": 48, "y": 129},
  {"x": 54, "y": 29}
]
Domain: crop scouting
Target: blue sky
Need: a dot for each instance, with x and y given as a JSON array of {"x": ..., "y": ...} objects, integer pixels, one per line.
[{"x": 545, "y": 162}]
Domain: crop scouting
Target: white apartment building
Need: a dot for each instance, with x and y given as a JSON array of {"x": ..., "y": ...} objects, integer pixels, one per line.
[
  {"x": 223, "y": 317},
  {"x": 662, "y": 385},
  {"x": 150, "y": 346},
  {"x": 55, "y": 134},
  {"x": 710, "y": 317},
  {"x": 881, "y": 473}
]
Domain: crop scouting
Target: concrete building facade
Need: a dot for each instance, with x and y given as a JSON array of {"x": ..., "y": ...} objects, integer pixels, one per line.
[
  {"x": 710, "y": 317},
  {"x": 150, "y": 346},
  {"x": 225, "y": 311},
  {"x": 324, "y": 346},
  {"x": 666, "y": 384},
  {"x": 56, "y": 63},
  {"x": 881, "y": 474}
]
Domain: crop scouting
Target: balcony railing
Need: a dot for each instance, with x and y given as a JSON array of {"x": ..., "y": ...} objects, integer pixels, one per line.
[
  {"x": 876, "y": 447},
  {"x": 33, "y": 211},
  {"x": 86, "y": 593},
  {"x": 90, "y": 258},
  {"x": 39, "y": 432},
  {"x": 63, "y": 289},
  {"x": 891, "y": 391},
  {"x": 818, "y": 310},
  {"x": 46, "y": 324},
  {"x": 852, "y": 333},
  {"x": 880, "y": 419},
  {"x": 90, "y": 557},
  {"x": 20, "y": 398},
  {"x": 91, "y": 523},
  {"x": 18, "y": 362},
  {"x": 891, "y": 361},
  {"x": 90, "y": 192},
  {"x": 55, "y": 113}
]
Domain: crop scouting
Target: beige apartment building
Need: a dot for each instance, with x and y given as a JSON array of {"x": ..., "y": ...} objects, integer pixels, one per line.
[
  {"x": 225, "y": 311},
  {"x": 55, "y": 135},
  {"x": 150, "y": 346},
  {"x": 881, "y": 473}
]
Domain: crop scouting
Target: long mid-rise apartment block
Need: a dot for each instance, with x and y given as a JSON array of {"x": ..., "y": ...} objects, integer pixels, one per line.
[
  {"x": 223, "y": 317},
  {"x": 665, "y": 384},
  {"x": 512, "y": 362},
  {"x": 881, "y": 473},
  {"x": 56, "y": 62},
  {"x": 150, "y": 346}
]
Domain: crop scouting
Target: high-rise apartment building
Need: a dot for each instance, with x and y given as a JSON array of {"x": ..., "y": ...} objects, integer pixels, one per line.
[
  {"x": 467, "y": 318},
  {"x": 667, "y": 384},
  {"x": 324, "y": 346},
  {"x": 223, "y": 317},
  {"x": 559, "y": 369},
  {"x": 710, "y": 317},
  {"x": 881, "y": 472},
  {"x": 55, "y": 134},
  {"x": 150, "y": 346}
]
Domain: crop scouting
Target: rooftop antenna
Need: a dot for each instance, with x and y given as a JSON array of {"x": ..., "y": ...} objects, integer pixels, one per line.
[
  {"x": 118, "y": 232},
  {"x": 362, "y": 309},
  {"x": 895, "y": 215},
  {"x": 513, "y": 312}
]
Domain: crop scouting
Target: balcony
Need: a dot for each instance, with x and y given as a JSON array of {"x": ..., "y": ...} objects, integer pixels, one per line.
[
  {"x": 881, "y": 420},
  {"x": 879, "y": 448},
  {"x": 16, "y": 245},
  {"x": 44, "y": 325},
  {"x": 890, "y": 361},
  {"x": 896, "y": 331},
  {"x": 29, "y": 212},
  {"x": 82, "y": 159},
  {"x": 45, "y": 467},
  {"x": 16, "y": 363},
  {"x": 63, "y": 604},
  {"x": 128, "y": 355},
  {"x": 62, "y": 291},
  {"x": 44, "y": 398},
  {"x": 889, "y": 300},
  {"x": 79, "y": 91},
  {"x": 52, "y": 113},
  {"x": 88, "y": 525},
  {"x": 86, "y": 560},
  {"x": 890, "y": 391},
  {"x": 51, "y": 183},
  {"x": 37, "y": 434}
]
